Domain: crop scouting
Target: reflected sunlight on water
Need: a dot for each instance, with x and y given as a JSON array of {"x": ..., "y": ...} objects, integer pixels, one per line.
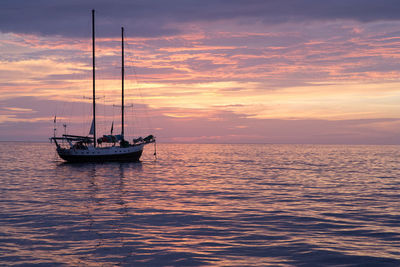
[{"x": 203, "y": 205}]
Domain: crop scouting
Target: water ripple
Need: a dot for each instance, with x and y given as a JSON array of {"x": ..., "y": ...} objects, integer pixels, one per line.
[{"x": 222, "y": 205}]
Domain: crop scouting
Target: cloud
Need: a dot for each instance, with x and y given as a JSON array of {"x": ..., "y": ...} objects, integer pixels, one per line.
[
  {"x": 230, "y": 127},
  {"x": 31, "y": 119},
  {"x": 162, "y": 18},
  {"x": 209, "y": 70}
]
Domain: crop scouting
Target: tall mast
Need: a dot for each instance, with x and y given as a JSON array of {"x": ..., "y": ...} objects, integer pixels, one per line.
[
  {"x": 122, "y": 78},
  {"x": 94, "y": 84}
]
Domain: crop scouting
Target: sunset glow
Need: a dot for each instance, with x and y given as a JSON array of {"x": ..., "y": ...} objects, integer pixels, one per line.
[{"x": 249, "y": 77}]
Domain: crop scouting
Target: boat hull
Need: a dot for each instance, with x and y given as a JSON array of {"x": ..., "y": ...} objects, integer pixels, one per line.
[{"x": 128, "y": 154}]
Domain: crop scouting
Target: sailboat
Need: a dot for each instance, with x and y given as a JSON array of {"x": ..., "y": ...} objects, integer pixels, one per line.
[{"x": 75, "y": 148}]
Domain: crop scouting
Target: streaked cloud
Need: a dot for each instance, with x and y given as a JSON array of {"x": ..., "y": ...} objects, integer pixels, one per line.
[
  {"x": 228, "y": 70},
  {"x": 158, "y": 17}
]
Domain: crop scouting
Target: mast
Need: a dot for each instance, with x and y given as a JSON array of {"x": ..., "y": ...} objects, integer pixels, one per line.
[
  {"x": 122, "y": 78},
  {"x": 94, "y": 84}
]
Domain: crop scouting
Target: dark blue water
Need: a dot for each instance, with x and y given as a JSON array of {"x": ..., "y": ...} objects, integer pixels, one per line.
[{"x": 220, "y": 205}]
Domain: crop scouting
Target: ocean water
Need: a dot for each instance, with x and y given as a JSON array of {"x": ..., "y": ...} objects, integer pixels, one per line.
[{"x": 199, "y": 205}]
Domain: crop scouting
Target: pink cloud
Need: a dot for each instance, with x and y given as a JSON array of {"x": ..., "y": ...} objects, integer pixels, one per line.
[{"x": 226, "y": 83}]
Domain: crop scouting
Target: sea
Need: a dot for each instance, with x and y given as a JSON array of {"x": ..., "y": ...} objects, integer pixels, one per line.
[{"x": 202, "y": 205}]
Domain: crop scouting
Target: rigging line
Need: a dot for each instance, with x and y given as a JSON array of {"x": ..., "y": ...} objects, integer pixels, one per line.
[
  {"x": 132, "y": 119},
  {"x": 86, "y": 107},
  {"x": 87, "y": 119},
  {"x": 82, "y": 107},
  {"x": 63, "y": 109},
  {"x": 82, "y": 121},
  {"x": 147, "y": 117},
  {"x": 86, "y": 82},
  {"x": 104, "y": 110},
  {"x": 133, "y": 125},
  {"x": 69, "y": 117},
  {"x": 113, "y": 114},
  {"x": 55, "y": 122}
]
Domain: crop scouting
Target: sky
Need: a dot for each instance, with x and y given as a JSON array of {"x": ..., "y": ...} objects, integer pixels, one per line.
[{"x": 204, "y": 71}]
